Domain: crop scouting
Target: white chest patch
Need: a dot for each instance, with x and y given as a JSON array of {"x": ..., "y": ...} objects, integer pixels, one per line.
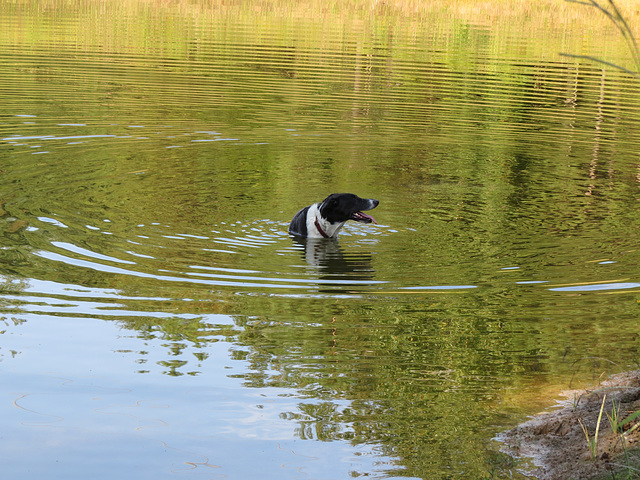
[{"x": 315, "y": 223}]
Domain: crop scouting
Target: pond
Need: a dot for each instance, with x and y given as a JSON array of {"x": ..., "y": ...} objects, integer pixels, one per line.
[{"x": 158, "y": 321}]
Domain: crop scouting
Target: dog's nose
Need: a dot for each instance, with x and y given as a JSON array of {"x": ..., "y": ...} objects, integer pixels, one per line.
[{"x": 374, "y": 202}]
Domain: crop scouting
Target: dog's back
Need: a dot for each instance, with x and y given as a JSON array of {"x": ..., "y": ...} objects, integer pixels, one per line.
[{"x": 298, "y": 225}]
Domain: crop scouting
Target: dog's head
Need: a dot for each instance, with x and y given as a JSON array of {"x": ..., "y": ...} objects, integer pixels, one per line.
[{"x": 340, "y": 207}]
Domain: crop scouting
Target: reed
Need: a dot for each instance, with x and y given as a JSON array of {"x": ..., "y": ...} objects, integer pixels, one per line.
[
  {"x": 593, "y": 442},
  {"x": 614, "y": 417},
  {"x": 613, "y": 14},
  {"x": 618, "y": 425}
]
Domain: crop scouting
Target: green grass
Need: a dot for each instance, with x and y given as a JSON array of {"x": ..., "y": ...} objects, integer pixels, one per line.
[{"x": 593, "y": 442}]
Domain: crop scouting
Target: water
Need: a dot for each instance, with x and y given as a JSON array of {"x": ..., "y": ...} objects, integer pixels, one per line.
[{"x": 158, "y": 321}]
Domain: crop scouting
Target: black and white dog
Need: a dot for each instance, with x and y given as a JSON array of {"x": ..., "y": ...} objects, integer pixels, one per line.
[{"x": 325, "y": 219}]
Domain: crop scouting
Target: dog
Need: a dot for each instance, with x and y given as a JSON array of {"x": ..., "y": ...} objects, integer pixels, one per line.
[{"x": 326, "y": 219}]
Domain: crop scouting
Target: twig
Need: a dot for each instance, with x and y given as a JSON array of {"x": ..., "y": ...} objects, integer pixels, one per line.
[{"x": 621, "y": 24}]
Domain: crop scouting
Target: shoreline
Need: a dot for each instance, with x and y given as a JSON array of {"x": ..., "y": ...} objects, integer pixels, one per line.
[{"x": 555, "y": 440}]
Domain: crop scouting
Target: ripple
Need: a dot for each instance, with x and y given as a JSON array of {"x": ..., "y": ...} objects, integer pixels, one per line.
[
  {"x": 54, "y": 137},
  {"x": 306, "y": 281},
  {"x": 260, "y": 258},
  {"x": 597, "y": 287},
  {"x": 165, "y": 278},
  {"x": 52, "y": 221},
  {"x": 78, "y": 308},
  {"x": 83, "y": 251},
  {"x": 441, "y": 287}
]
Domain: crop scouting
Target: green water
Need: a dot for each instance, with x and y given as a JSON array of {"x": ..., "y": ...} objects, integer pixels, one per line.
[{"x": 157, "y": 321}]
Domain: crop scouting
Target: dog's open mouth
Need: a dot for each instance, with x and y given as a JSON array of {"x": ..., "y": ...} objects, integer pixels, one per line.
[{"x": 363, "y": 217}]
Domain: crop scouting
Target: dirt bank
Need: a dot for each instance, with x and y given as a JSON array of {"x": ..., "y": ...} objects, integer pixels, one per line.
[{"x": 556, "y": 441}]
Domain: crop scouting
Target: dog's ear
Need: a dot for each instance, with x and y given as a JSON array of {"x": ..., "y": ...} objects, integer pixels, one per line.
[{"x": 329, "y": 202}]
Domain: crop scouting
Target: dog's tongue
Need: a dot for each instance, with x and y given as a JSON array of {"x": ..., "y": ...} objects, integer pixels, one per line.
[{"x": 363, "y": 217}]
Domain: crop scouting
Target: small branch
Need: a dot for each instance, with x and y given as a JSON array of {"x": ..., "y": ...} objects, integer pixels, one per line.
[
  {"x": 604, "y": 62},
  {"x": 621, "y": 24}
]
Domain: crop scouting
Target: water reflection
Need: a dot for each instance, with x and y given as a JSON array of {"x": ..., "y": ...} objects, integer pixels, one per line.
[
  {"x": 151, "y": 158},
  {"x": 332, "y": 261}
]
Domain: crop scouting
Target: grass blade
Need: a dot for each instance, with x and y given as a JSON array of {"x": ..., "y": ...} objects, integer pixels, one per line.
[
  {"x": 595, "y": 439},
  {"x": 621, "y": 24}
]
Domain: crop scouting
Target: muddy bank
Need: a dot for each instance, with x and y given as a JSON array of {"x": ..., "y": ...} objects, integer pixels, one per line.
[{"x": 556, "y": 441}]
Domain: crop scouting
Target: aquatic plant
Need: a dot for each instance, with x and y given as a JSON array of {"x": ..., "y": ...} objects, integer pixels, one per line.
[
  {"x": 593, "y": 442},
  {"x": 612, "y": 12}
]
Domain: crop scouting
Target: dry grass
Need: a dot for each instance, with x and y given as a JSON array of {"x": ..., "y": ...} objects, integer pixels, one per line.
[{"x": 545, "y": 11}]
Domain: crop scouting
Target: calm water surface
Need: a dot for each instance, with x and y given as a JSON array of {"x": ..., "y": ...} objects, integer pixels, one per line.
[{"x": 157, "y": 321}]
